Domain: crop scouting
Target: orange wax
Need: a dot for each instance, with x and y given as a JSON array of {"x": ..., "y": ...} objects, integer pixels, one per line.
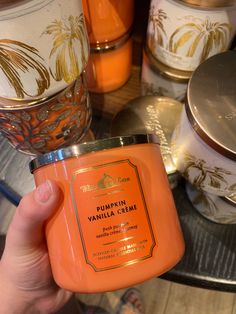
[
  {"x": 108, "y": 20},
  {"x": 109, "y": 67},
  {"x": 117, "y": 225}
]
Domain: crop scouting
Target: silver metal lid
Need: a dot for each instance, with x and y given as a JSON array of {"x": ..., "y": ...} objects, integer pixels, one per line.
[
  {"x": 89, "y": 147},
  {"x": 211, "y": 102},
  {"x": 150, "y": 114}
]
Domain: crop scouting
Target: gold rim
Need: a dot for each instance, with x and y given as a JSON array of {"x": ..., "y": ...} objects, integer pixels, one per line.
[
  {"x": 174, "y": 74},
  {"x": 210, "y": 3},
  {"x": 112, "y": 45}
]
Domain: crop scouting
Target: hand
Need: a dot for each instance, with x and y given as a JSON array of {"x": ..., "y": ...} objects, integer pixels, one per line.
[{"x": 26, "y": 281}]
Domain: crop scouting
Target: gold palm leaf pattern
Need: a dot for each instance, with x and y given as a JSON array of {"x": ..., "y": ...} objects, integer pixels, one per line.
[
  {"x": 203, "y": 203},
  {"x": 156, "y": 18},
  {"x": 67, "y": 35},
  {"x": 232, "y": 188},
  {"x": 208, "y": 207},
  {"x": 204, "y": 37},
  {"x": 203, "y": 174},
  {"x": 152, "y": 89},
  {"x": 211, "y": 207},
  {"x": 17, "y": 60}
]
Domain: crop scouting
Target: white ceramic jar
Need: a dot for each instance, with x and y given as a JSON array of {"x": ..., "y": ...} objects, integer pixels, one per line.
[
  {"x": 215, "y": 208},
  {"x": 161, "y": 80},
  {"x": 183, "y": 36},
  {"x": 44, "y": 48},
  {"x": 204, "y": 142}
]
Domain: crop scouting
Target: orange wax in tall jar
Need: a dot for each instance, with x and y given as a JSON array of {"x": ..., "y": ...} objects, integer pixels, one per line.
[
  {"x": 117, "y": 224},
  {"x": 109, "y": 65},
  {"x": 107, "y": 20}
]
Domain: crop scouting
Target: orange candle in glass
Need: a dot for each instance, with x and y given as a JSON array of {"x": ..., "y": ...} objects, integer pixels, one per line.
[
  {"x": 117, "y": 225},
  {"x": 109, "y": 65},
  {"x": 107, "y": 20}
]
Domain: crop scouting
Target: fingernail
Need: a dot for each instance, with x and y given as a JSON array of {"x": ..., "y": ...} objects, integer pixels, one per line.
[{"x": 44, "y": 192}]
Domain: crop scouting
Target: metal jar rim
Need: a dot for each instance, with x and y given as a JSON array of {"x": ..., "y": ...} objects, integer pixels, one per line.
[{"x": 89, "y": 147}]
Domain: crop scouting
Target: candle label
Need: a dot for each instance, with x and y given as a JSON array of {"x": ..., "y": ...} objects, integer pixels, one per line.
[{"x": 112, "y": 215}]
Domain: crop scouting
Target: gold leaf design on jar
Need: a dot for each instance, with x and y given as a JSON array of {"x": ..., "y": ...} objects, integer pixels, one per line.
[
  {"x": 207, "y": 205},
  {"x": 18, "y": 59},
  {"x": 205, "y": 35},
  {"x": 233, "y": 188},
  {"x": 67, "y": 35},
  {"x": 156, "y": 19},
  {"x": 203, "y": 174},
  {"x": 152, "y": 89}
]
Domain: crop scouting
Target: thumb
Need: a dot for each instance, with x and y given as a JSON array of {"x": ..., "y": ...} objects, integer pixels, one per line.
[{"x": 26, "y": 229}]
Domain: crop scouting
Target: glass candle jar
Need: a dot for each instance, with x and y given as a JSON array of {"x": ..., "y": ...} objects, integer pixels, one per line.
[
  {"x": 56, "y": 122},
  {"x": 151, "y": 114},
  {"x": 159, "y": 79},
  {"x": 109, "y": 65},
  {"x": 210, "y": 3},
  {"x": 108, "y": 20},
  {"x": 41, "y": 56},
  {"x": 117, "y": 224},
  {"x": 215, "y": 208},
  {"x": 203, "y": 143},
  {"x": 183, "y": 36}
]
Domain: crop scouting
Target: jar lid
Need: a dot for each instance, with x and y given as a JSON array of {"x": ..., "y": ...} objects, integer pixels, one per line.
[
  {"x": 211, "y": 102},
  {"x": 111, "y": 45},
  {"x": 171, "y": 73},
  {"x": 151, "y": 114},
  {"x": 210, "y": 3},
  {"x": 89, "y": 147}
]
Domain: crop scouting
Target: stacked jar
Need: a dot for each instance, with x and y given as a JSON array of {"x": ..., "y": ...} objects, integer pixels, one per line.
[
  {"x": 44, "y": 103},
  {"x": 180, "y": 36},
  {"x": 109, "y": 24},
  {"x": 204, "y": 144}
]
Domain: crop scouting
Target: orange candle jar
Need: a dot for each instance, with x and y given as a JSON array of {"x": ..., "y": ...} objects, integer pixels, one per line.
[
  {"x": 117, "y": 224},
  {"x": 109, "y": 65},
  {"x": 107, "y": 20},
  {"x": 40, "y": 127}
]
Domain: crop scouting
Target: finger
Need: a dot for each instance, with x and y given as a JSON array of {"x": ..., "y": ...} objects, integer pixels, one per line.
[{"x": 26, "y": 228}]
